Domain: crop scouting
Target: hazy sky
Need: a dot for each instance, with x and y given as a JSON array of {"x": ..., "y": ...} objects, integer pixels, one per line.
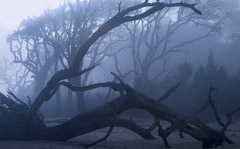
[
  {"x": 11, "y": 14},
  {"x": 13, "y": 11}
]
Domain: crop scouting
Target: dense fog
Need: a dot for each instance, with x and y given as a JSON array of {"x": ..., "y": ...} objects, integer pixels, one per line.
[
  {"x": 152, "y": 54},
  {"x": 61, "y": 59}
]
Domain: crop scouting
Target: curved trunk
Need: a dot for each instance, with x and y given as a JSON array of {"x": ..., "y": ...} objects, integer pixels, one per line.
[{"x": 103, "y": 116}]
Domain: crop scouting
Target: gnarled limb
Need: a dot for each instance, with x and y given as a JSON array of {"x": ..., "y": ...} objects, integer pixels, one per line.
[
  {"x": 168, "y": 93},
  {"x": 104, "y": 116},
  {"x": 49, "y": 90},
  {"x": 115, "y": 21},
  {"x": 200, "y": 131},
  {"x": 100, "y": 117}
]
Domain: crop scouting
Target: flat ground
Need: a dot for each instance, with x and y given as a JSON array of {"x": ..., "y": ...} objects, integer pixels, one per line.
[{"x": 123, "y": 139}]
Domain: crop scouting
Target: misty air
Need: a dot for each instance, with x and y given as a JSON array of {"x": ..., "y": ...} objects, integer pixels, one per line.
[{"x": 119, "y": 74}]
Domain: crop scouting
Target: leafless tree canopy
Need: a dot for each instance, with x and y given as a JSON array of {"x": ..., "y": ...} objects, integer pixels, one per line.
[{"x": 58, "y": 43}]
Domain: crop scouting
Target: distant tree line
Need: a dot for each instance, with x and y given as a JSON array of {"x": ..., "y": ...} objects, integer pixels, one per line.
[{"x": 193, "y": 92}]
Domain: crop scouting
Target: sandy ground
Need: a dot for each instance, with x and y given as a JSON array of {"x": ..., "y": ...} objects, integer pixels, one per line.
[{"x": 123, "y": 139}]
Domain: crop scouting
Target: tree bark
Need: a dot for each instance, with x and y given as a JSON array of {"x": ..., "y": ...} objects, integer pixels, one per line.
[
  {"x": 115, "y": 21},
  {"x": 103, "y": 117}
]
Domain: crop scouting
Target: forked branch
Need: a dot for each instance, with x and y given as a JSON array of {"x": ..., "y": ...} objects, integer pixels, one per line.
[{"x": 214, "y": 108}]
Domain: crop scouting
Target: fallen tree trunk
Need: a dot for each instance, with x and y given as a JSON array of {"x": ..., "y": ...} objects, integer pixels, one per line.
[
  {"x": 103, "y": 116},
  {"x": 22, "y": 122}
]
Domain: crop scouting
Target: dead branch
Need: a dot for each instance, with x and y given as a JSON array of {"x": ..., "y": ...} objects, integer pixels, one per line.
[
  {"x": 112, "y": 23},
  {"x": 229, "y": 117},
  {"x": 201, "y": 109},
  {"x": 214, "y": 108},
  {"x": 104, "y": 116},
  {"x": 119, "y": 7},
  {"x": 28, "y": 121},
  {"x": 168, "y": 93},
  {"x": 200, "y": 131},
  {"x": 162, "y": 133},
  {"x": 17, "y": 99},
  {"x": 121, "y": 81}
]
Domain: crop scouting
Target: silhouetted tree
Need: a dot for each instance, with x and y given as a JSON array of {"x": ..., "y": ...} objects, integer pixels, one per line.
[
  {"x": 19, "y": 120},
  {"x": 184, "y": 72},
  {"x": 55, "y": 37},
  {"x": 35, "y": 46},
  {"x": 154, "y": 39}
]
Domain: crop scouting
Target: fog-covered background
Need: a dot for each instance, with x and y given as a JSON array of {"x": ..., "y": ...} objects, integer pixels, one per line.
[{"x": 39, "y": 38}]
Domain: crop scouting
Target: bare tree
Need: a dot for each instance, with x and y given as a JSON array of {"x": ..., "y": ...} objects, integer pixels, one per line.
[
  {"x": 28, "y": 124},
  {"x": 18, "y": 83},
  {"x": 78, "y": 21},
  {"x": 34, "y": 45},
  {"x": 155, "y": 39}
]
